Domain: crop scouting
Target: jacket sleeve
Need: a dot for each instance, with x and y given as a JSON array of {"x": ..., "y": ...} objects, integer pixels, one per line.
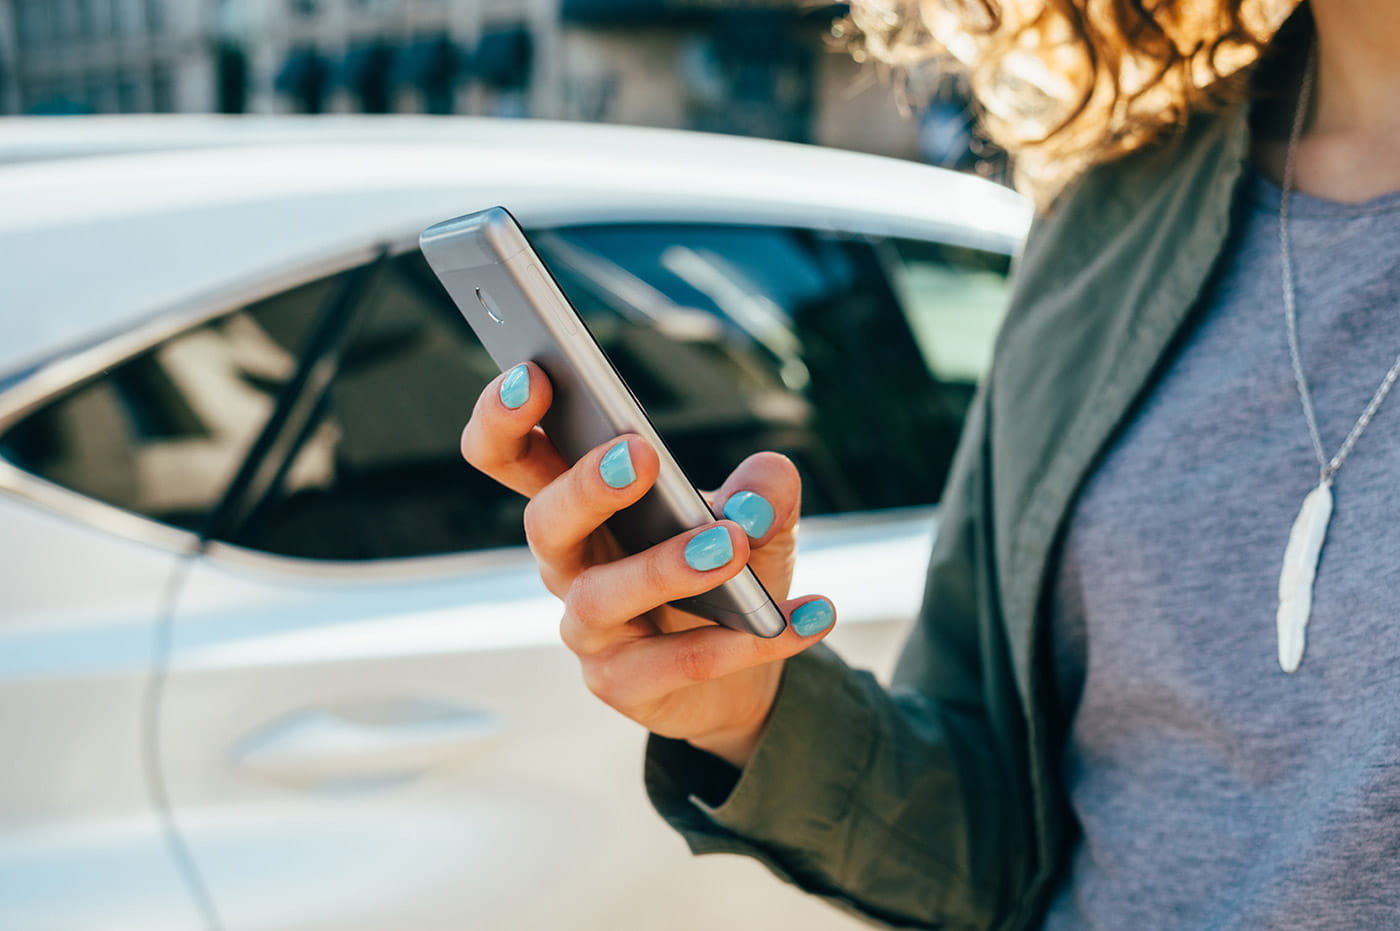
[{"x": 902, "y": 805}]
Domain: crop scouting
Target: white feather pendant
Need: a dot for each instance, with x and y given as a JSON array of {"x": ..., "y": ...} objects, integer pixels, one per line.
[{"x": 1295, "y": 582}]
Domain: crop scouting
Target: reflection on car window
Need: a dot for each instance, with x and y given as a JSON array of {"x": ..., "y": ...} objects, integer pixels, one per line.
[
  {"x": 746, "y": 271},
  {"x": 162, "y": 433},
  {"x": 855, "y": 357},
  {"x": 954, "y": 298},
  {"x": 735, "y": 339},
  {"x": 380, "y": 476},
  {"x": 813, "y": 345}
]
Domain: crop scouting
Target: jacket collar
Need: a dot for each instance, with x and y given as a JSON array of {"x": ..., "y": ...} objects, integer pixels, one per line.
[{"x": 1128, "y": 254}]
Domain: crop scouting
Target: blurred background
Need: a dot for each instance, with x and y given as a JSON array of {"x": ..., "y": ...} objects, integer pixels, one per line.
[{"x": 751, "y": 67}]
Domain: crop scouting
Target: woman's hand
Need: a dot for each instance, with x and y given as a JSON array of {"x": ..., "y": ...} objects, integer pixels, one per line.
[{"x": 673, "y": 672}]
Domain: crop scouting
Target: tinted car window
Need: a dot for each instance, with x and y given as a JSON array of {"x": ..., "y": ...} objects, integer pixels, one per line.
[
  {"x": 735, "y": 339},
  {"x": 162, "y": 433},
  {"x": 853, "y": 357},
  {"x": 954, "y": 298},
  {"x": 856, "y": 358},
  {"x": 380, "y": 474}
]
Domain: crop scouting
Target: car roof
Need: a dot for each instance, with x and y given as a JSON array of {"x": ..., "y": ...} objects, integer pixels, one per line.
[{"x": 112, "y": 221}]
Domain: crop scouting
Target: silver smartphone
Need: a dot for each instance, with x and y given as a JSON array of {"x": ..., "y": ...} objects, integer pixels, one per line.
[{"x": 518, "y": 311}]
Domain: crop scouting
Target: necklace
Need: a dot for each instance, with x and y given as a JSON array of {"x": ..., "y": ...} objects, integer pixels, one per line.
[{"x": 1300, "y": 559}]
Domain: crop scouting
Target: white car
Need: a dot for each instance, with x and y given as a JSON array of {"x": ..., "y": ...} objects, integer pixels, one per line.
[{"x": 268, "y": 649}]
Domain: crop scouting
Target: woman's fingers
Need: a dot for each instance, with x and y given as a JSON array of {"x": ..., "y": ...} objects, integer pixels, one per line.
[
  {"x": 649, "y": 669},
  {"x": 561, "y": 518},
  {"x": 603, "y": 600},
  {"x": 633, "y": 656},
  {"x": 763, "y": 495},
  {"x": 502, "y": 438}
]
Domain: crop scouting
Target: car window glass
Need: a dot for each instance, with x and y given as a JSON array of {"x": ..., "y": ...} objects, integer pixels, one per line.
[
  {"x": 380, "y": 474},
  {"x": 162, "y": 433},
  {"x": 735, "y": 339},
  {"x": 716, "y": 267},
  {"x": 849, "y": 355},
  {"x": 771, "y": 338},
  {"x": 954, "y": 298}
]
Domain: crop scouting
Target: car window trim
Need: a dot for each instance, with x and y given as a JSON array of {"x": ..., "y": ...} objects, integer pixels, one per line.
[{"x": 435, "y": 565}]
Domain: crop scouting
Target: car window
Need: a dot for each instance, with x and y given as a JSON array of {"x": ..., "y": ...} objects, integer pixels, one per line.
[
  {"x": 853, "y": 356},
  {"x": 380, "y": 474},
  {"x": 954, "y": 298},
  {"x": 735, "y": 339},
  {"x": 850, "y": 355},
  {"x": 162, "y": 433}
]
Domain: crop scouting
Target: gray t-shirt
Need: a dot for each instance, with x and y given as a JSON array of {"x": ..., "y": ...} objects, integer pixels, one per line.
[{"x": 1214, "y": 790}]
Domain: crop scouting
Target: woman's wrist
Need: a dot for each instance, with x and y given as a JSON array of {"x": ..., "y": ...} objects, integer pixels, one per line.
[
  {"x": 736, "y": 750},
  {"x": 736, "y": 745}
]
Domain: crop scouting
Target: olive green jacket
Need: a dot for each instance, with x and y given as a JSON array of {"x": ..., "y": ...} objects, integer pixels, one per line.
[{"x": 937, "y": 803}]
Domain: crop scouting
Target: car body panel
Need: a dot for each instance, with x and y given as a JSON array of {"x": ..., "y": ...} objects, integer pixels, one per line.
[
  {"x": 77, "y": 835},
  {"x": 527, "y": 776}
]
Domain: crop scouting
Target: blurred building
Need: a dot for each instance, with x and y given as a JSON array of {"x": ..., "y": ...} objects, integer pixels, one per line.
[
  {"x": 757, "y": 67},
  {"x": 78, "y": 56}
]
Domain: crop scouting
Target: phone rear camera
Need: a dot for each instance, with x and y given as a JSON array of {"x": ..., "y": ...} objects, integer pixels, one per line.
[{"x": 489, "y": 305}]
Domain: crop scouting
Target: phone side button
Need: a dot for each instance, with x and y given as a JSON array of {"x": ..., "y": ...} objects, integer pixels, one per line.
[{"x": 563, "y": 312}]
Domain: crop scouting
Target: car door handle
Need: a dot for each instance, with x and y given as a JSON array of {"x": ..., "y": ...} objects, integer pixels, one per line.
[{"x": 368, "y": 742}]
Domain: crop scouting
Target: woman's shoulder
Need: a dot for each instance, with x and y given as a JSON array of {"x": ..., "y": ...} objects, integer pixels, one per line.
[
  {"x": 1180, "y": 165},
  {"x": 1131, "y": 240},
  {"x": 1115, "y": 221}
]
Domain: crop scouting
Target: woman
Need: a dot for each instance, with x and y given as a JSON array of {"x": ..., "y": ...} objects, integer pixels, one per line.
[{"x": 1124, "y": 705}]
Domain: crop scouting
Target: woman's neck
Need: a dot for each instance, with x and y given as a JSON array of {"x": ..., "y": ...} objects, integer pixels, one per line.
[
  {"x": 1350, "y": 147},
  {"x": 1358, "y": 75}
]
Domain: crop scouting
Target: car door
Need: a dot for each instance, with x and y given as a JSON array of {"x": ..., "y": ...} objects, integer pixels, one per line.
[
  {"x": 104, "y": 470},
  {"x": 365, "y": 719},
  {"x": 77, "y": 838}
]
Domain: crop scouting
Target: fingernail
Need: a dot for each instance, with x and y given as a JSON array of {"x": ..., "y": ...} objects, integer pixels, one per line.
[
  {"x": 616, "y": 466},
  {"x": 515, "y": 387},
  {"x": 709, "y": 550},
  {"x": 812, "y": 617},
  {"x": 751, "y": 511}
]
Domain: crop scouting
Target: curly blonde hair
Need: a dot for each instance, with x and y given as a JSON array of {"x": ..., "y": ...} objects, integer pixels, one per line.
[{"x": 1068, "y": 84}]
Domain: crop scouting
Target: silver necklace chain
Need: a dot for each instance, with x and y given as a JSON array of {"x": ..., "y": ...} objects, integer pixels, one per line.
[{"x": 1329, "y": 467}]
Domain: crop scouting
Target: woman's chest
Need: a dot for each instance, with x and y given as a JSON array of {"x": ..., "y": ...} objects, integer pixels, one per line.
[{"x": 1167, "y": 590}]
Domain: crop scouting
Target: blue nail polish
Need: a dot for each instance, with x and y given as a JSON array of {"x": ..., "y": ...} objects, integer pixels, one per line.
[
  {"x": 616, "y": 466},
  {"x": 515, "y": 387},
  {"x": 709, "y": 550},
  {"x": 812, "y": 617},
  {"x": 751, "y": 511}
]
